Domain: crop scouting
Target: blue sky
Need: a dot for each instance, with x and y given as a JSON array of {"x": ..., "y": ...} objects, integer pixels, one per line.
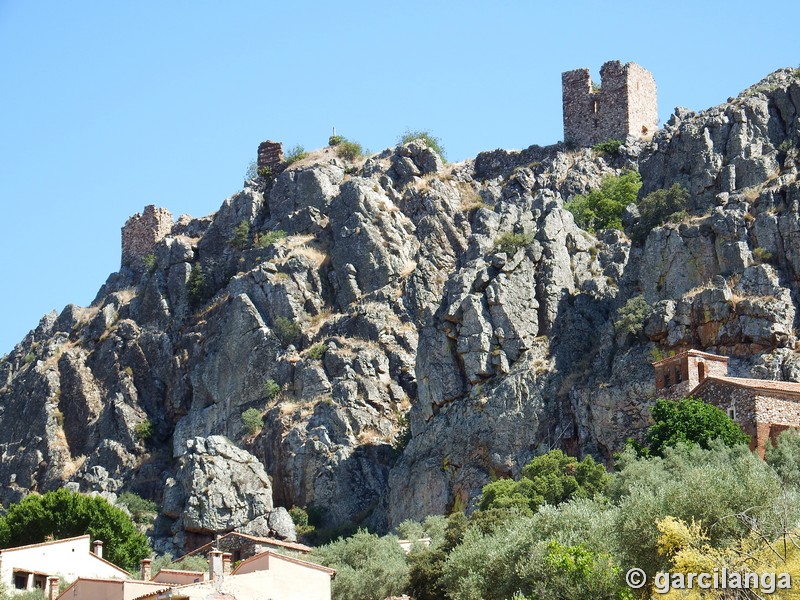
[{"x": 108, "y": 106}]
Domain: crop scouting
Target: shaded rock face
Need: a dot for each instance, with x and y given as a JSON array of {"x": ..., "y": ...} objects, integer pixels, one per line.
[
  {"x": 274, "y": 354},
  {"x": 217, "y": 488}
]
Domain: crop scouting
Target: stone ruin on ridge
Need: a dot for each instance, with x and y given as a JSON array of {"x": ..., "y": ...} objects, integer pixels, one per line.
[{"x": 625, "y": 104}]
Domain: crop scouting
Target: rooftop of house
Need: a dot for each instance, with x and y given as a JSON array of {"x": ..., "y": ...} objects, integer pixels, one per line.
[
  {"x": 254, "y": 538},
  {"x": 764, "y": 385},
  {"x": 270, "y": 554},
  {"x": 83, "y": 541},
  {"x": 69, "y": 591},
  {"x": 48, "y": 543},
  {"x": 685, "y": 353}
]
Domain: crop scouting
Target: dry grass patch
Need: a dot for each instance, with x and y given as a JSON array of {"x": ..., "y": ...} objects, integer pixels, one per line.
[
  {"x": 408, "y": 269},
  {"x": 126, "y": 295},
  {"x": 73, "y": 466},
  {"x": 314, "y": 255}
]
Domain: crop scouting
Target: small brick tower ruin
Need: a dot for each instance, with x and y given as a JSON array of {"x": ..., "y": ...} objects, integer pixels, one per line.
[
  {"x": 142, "y": 232},
  {"x": 624, "y": 105},
  {"x": 270, "y": 154}
]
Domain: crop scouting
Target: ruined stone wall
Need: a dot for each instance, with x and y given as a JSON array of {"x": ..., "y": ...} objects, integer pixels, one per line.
[
  {"x": 624, "y": 104},
  {"x": 270, "y": 153},
  {"x": 142, "y": 232}
]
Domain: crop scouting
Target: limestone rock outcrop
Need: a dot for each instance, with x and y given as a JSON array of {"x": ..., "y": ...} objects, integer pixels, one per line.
[{"x": 377, "y": 339}]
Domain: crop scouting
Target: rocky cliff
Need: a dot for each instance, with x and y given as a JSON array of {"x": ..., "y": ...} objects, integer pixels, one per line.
[{"x": 399, "y": 353}]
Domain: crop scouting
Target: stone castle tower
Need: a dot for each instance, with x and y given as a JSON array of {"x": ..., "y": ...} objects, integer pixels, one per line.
[
  {"x": 624, "y": 104},
  {"x": 142, "y": 232}
]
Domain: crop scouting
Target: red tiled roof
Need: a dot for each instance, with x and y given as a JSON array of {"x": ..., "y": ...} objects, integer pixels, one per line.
[
  {"x": 679, "y": 355},
  {"x": 765, "y": 385},
  {"x": 180, "y": 572},
  {"x": 261, "y": 540}
]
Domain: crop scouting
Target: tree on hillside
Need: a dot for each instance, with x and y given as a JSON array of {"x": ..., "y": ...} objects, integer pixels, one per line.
[
  {"x": 551, "y": 478},
  {"x": 63, "y": 514},
  {"x": 784, "y": 457},
  {"x": 368, "y": 567},
  {"x": 691, "y": 421},
  {"x": 602, "y": 208}
]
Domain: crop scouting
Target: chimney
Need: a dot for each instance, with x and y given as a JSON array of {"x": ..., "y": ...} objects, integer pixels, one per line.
[
  {"x": 98, "y": 548},
  {"x": 146, "y": 573},
  {"x": 226, "y": 563},
  {"x": 52, "y": 587},
  {"x": 214, "y": 565}
]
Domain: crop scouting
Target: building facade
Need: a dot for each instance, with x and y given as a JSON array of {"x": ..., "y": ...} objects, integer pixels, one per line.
[{"x": 763, "y": 408}]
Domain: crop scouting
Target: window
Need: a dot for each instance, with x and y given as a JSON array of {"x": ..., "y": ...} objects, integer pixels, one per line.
[
  {"x": 732, "y": 412},
  {"x": 20, "y": 581},
  {"x": 701, "y": 371},
  {"x": 678, "y": 374},
  {"x": 667, "y": 381}
]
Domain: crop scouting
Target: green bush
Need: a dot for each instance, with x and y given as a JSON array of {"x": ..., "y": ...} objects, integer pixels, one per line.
[
  {"x": 142, "y": 511},
  {"x": 63, "y": 514},
  {"x": 265, "y": 172},
  {"x": 186, "y": 563},
  {"x": 196, "y": 286},
  {"x": 602, "y": 208},
  {"x": 252, "y": 171},
  {"x": 271, "y": 388},
  {"x": 691, "y": 420},
  {"x": 690, "y": 483},
  {"x": 300, "y": 519},
  {"x": 762, "y": 255},
  {"x": 658, "y": 207},
  {"x": 241, "y": 236},
  {"x": 266, "y": 239},
  {"x": 335, "y": 140},
  {"x": 552, "y": 478},
  {"x": 349, "y": 150},
  {"x": 522, "y": 559},
  {"x": 431, "y": 141},
  {"x": 403, "y": 436},
  {"x": 368, "y": 567},
  {"x": 287, "y": 331},
  {"x": 149, "y": 262},
  {"x": 610, "y": 147},
  {"x": 317, "y": 351},
  {"x": 511, "y": 242},
  {"x": 294, "y": 154},
  {"x": 784, "y": 457},
  {"x": 144, "y": 430},
  {"x": 29, "y": 358},
  {"x": 632, "y": 315},
  {"x": 251, "y": 418}
]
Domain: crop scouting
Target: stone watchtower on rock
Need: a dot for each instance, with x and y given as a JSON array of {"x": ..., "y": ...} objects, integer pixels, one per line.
[
  {"x": 625, "y": 104},
  {"x": 142, "y": 232}
]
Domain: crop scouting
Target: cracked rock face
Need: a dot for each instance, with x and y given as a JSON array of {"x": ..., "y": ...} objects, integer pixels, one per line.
[
  {"x": 217, "y": 488},
  {"x": 275, "y": 353}
]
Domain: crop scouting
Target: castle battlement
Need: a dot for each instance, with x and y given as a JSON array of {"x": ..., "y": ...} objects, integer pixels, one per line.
[{"x": 625, "y": 104}]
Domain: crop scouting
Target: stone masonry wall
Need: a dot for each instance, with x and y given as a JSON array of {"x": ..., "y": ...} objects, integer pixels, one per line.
[
  {"x": 683, "y": 371},
  {"x": 142, "y": 232},
  {"x": 737, "y": 402},
  {"x": 270, "y": 153},
  {"x": 625, "y": 104},
  {"x": 762, "y": 417}
]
